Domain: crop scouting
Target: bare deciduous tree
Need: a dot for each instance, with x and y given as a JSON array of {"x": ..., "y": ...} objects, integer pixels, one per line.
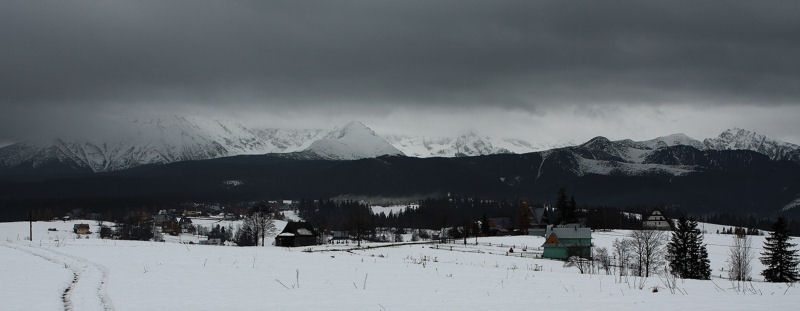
[
  {"x": 583, "y": 264},
  {"x": 622, "y": 252},
  {"x": 739, "y": 258},
  {"x": 260, "y": 223},
  {"x": 648, "y": 250},
  {"x": 603, "y": 259}
]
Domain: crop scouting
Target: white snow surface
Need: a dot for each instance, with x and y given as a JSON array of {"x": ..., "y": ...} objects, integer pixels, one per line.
[
  {"x": 135, "y": 275},
  {"x": 468, "y": 144},
  {"x": 353, "y": 141},
  {"x": 672, "y": 140},
  {"x": 600, "y": 167}
]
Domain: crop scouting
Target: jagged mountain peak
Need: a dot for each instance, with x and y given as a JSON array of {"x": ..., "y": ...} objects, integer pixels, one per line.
[
  {"x": 352, "y": 141},
  {"x": 597, "y": 142},
  {"x": 743, "y": 139}
]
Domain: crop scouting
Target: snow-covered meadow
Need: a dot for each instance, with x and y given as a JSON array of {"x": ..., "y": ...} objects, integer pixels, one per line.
[{"x": 132, "y": 275}]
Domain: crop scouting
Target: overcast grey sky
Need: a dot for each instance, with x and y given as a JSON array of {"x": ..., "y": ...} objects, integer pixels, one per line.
[{"x": 538, "y": 70}]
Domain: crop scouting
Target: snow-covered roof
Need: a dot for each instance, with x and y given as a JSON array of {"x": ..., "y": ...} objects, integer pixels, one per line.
[{"x": 570, "y": 233}]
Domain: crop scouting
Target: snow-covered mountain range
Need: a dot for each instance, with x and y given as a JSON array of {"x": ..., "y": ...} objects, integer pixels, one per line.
[
  {"x": 178, "y": 138},
  {"x": 162, "y": 140},
  {"x": 627, "y": 157}
]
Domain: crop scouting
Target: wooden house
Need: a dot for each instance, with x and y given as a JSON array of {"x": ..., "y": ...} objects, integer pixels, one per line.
[
  {"x": 81, "y": 228},
  {"x": 297, "y": 234},
  {"x": 171, "y": 227},
  {"x": 656, "y": 221},
  {"x": 500, "y": 226},
  {"x": 186, "y": 225},
  {"x": 570, "y": 240},
  {"x": 539, "y": 221}
]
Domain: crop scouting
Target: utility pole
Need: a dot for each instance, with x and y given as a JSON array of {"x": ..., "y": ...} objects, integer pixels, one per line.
[{"x": 30, "y": 224}]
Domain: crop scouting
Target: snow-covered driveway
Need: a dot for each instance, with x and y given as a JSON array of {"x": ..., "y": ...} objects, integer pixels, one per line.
[{"x": 84, "y": 288}]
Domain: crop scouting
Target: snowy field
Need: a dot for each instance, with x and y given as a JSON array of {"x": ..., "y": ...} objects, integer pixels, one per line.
[{"x": 57, "y": 272}]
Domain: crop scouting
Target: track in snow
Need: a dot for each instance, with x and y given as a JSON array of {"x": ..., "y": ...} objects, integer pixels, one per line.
[{"x": 91, "y": 293}]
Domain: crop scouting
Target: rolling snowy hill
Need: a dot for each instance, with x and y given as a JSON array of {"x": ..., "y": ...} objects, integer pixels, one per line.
[{"x": 58, "y": 271}]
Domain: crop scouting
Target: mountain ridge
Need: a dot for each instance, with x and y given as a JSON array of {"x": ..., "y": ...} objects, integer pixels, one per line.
[{"x": 180, "y": 138}]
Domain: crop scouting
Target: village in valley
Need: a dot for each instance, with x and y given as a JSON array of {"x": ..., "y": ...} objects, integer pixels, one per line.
[{"x": 365, "y": 253}]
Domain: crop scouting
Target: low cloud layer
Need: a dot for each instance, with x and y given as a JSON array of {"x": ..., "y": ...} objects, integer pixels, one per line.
[{"x": 463, "y": 64}]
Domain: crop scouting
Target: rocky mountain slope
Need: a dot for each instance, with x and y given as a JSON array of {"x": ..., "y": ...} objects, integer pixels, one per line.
[{"x": 741, "y": 139}]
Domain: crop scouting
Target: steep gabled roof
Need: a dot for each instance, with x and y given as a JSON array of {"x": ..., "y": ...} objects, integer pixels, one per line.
[{"x": 299, "y": 228}]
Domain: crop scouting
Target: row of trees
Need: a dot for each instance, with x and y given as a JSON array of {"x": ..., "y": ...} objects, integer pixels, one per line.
[
  {"x": 779, "y": 256},
  {"x": 640, "y": 253},
  {"x": 644, "y": 251}
]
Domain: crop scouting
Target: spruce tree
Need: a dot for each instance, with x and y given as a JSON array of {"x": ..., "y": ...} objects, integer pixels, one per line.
[
  {"x": 700, "y": 266},
  {"x": 572, "y": 209},
  {"x": 562, "y": 205},
  {"x": 778, "y": 257},
  {"x": 687, "y": 255},
  {"x": 677, "y": 250}
]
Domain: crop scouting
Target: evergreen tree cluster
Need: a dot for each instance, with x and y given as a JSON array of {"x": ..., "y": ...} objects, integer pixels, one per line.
[
  {"x": 219, "y": 232},
  {"x": 739, "y": 231},
  {"x": 247, "y": 235},
  {"x": 687, "y": 255},
  {"x": 779, "y": 257},
  {"x": 567, "y": 209}
]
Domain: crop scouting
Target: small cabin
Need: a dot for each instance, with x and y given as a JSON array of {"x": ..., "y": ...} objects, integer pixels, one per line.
[
  {"x": 500, "y": 226},
  {"x": 297, "y": 234},
  {"x": 656, "y": 221},
  {"x": 171, "y": 227},
  {"x": 539, "y": 222},
  {"x": 567, "y": 241},
  {"x": 81, "y": 228}
]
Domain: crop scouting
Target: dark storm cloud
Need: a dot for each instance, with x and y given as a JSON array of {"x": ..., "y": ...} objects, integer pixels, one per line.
[{"x": 79, "y": 56}]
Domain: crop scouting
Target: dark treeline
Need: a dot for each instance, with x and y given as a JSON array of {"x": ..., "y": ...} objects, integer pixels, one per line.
[
  {"x": 748, "y": 223},
  {"x": 434, "y": 213},
  {"x": 446, "y": 213}
]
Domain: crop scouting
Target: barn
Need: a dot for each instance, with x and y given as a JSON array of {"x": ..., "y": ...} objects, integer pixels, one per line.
[
  {"x": 297, "y": 234},
  {"x": 81, "y": 229}
]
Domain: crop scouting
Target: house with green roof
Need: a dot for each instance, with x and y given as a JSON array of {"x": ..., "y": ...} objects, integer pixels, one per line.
[{"x": 566, "y": 241}]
